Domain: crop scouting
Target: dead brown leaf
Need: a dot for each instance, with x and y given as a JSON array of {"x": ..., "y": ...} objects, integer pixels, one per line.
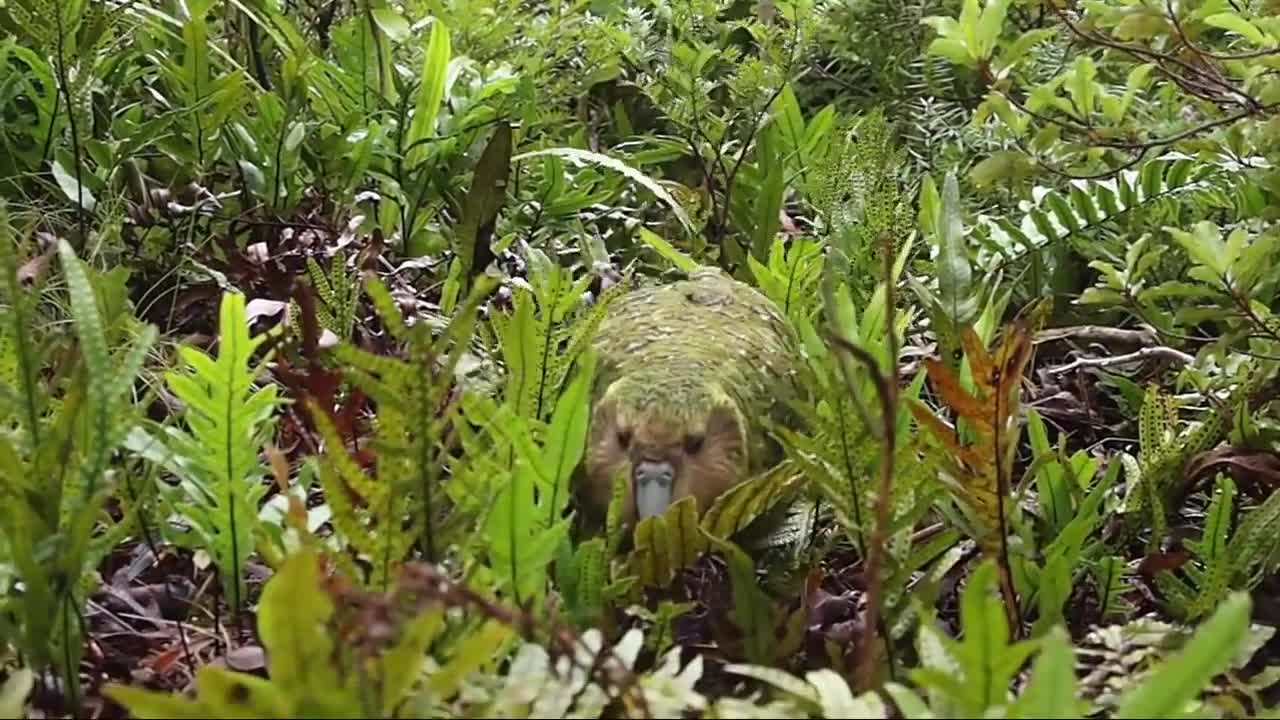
[{"x": 1257, "y": 471}]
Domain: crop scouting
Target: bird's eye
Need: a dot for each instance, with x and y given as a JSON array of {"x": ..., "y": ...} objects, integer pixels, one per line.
[
  {"x": 624, "y": 437},
  {"x": 692, "y": 444}
]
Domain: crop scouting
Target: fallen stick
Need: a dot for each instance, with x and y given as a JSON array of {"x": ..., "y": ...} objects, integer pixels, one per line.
[{"x": 1146, "y": 353}]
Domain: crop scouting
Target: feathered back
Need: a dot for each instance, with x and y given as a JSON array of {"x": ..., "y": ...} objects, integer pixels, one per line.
[{"x": 674, "y": 338}]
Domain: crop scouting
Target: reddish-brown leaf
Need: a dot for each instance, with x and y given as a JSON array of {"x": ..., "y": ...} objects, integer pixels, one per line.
[
  {"x": 959, "y": 399},
  {"x": 1156, "y": 563},
  {"x": 979, "y": 360}
]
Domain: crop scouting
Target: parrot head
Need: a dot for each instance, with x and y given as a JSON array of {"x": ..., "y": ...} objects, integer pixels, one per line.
[{"x": 672, "y": 437}]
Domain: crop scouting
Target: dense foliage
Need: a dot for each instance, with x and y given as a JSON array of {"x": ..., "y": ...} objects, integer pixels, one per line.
[{"x": 296, "y": 366}]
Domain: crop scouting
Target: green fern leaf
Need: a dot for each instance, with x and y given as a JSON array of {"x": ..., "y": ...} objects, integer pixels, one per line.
[
  {"x": 227, "y": 423},
  {"x": 1211, "y": 551},
  {"x": 1256, "y": 538},
  {"x": 668, "y": 543},
  {"x": 737, "y": 508},
  {"x": 89, "y": 327}
]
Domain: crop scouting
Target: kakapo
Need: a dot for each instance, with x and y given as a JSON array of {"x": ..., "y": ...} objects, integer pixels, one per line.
[{"x": 687, "y": 373}]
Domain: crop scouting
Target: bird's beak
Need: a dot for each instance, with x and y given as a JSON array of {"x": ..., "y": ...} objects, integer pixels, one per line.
[{"x": 652, "y": 482}]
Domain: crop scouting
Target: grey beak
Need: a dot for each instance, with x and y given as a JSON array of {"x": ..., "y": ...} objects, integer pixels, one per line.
[{"x": 652, "y": 481}]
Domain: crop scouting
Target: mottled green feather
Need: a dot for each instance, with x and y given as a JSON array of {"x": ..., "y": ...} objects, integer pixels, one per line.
[
  {"x": 669, "y": 354},
  {"x": 671, "y": 341}
]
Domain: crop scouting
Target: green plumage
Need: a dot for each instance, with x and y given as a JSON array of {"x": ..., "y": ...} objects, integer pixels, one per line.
[
  {"x": 671, "y": 340},
  {"x": 707, "y": 357}
]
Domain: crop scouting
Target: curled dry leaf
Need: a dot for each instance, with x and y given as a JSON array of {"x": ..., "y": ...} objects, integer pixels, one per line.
[{"x": 1256, "y": 470}]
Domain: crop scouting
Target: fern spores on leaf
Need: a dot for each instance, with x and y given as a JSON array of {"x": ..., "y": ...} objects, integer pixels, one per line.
[
  {"x": 1224, "y": 558},
  {"x": 381, "y": 518},
  {"x": 338, "y": 292},
  {"x": 62, "y": 422},
  {"x": 855, "y": 190},
  {"x": 1155, "y": 478}
]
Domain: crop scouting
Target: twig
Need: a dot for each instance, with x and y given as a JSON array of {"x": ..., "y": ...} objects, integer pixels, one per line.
[
  {"x": 64, "y": 83},
  {"x": 1145, "y": 144},
  {"x": 1158, "y": 351},
  {"x": 1182, "y": 35},
  {"x": 1193, "y": 73},
  {"x": 1100, "y": 333}
]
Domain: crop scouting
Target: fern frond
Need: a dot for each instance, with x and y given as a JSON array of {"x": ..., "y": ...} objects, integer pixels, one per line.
[
  {"x": 546, "y": 332},
  {"x": 667, "y": 543},
  {"x": 382, "y": 515},
  {"x": 93, "y": 340},
  {"x": 1132, "y": 198},
  {"x": 338, "y": 294},
  {"x": 227, "y": 421},
  {"x": 792, "y": 276},
  {"x": 19, "y": 350},
  {"x": 1214, "y": 579},
  {"x": 1256, "y": 539},
  {"x": 979, "y": 470}
]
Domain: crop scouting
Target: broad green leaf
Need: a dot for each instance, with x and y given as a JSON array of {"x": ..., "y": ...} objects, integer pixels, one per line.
[
  {"x": 485, "y": 198},
  {"x": 435, "y": 66},
  {"x": 773, "y": 188},
  {"x": 391, "y": 22},
  {"x": 953, "y": 50},
  {"x": 1020, "y": 47},
  {"x": 292, "y": 623},
  {"x": 817, "y": 131},
  {"x": 790, "y": 121},
  {"x": 1141, "y": 24},
  {"x": 1083, "y": 87},
  {"x": 1138, "y": 80},
  {"x": 930, "y": 206},
  {"x": 989, "y": 27},
  {"x": 229, "y": 694},
  {"x": 1235, "y": 244},
  {"x": 1178, "y": 680},
  {"x": 1000, "y": 165},
  {"x": 667, "y": 250},
  {"x": 566, "y": 439},
  {"x": 579, "y": 157},
  {"x": 1232, "y": 22},
  {"x": 837, "y": 700},
  {"x": 953, "y": 261},
  {"x": 1256, "y": 260},
  {"x": 402, "y": 664},
  {"x": 1051, "y": 691},
  {"x": 1204, "y": 245},
  {"x": 76, "y": 192},
  {"x": 908, "y": 702},
  {"x": 478, "y": 649},
  {"x": 147, "y": 704}
]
